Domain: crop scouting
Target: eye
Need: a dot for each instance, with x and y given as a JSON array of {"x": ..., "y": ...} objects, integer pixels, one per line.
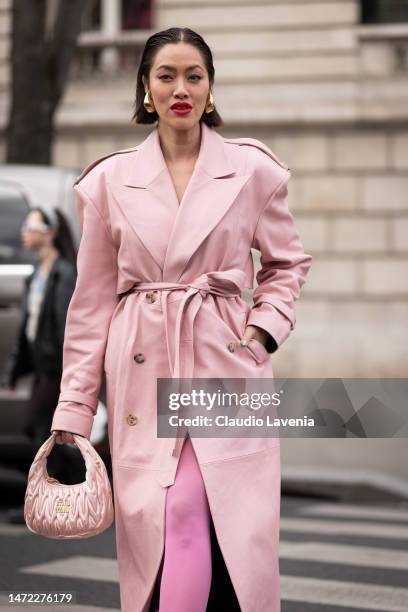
[{"x": 193, "y": 76}]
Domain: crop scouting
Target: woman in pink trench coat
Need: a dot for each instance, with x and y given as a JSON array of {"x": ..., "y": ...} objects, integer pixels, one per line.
[{"x": 159, "y": 295}]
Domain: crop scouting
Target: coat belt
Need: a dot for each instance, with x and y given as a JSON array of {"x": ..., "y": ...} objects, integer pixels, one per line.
[{"x": 226, "y": 283}]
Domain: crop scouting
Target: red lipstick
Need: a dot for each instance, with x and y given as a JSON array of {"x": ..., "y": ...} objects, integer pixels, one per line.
[{"x": 181, "y": 108}]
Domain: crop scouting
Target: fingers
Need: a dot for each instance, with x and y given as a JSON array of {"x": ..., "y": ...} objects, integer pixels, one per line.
[
  {"x": 252, "y": 331},
  {"x": 248, "y": 334},
  {"x": 64, "y": 437}
]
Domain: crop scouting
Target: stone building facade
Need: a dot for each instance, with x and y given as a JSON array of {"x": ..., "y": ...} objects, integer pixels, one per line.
[{"x": 329, "y": 94}]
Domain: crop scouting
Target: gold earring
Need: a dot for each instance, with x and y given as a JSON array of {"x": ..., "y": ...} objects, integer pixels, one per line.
[
  {"x": 148, "y": 104},
  {"x": 210, "y": 104}
]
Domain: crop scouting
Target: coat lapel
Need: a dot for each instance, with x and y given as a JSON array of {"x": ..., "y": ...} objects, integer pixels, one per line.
[
  {"x": 146, "y": 197},
  {"x": 146, "y": 194}
]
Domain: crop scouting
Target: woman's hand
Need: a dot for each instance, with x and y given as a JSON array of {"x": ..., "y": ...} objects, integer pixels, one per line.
[
  {"x": 64, "y": 437},
  {"x": 253, "y": 331}
]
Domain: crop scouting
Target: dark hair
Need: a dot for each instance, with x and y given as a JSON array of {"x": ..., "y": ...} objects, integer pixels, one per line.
[
  {"x": 63, "y": 241},
  {"x": 153, "y": 44}
]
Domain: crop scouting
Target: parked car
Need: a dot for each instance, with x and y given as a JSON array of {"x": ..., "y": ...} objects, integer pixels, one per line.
[{"x": 21, "y": 188}]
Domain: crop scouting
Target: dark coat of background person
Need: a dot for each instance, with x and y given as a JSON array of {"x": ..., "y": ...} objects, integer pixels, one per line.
[
  {"x": 51, "y": 325},
  {"x": 44, "y": 360}
]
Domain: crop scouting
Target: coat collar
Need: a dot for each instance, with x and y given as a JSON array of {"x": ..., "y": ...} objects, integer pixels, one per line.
[
  {"x": 145, "y": 192},
  {"x": 212, "y": 159}
]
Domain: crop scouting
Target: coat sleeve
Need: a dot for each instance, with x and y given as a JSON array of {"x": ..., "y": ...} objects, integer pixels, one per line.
[
  {"x": 87, "y": 323},
  {"x": 284, "y": 267}
]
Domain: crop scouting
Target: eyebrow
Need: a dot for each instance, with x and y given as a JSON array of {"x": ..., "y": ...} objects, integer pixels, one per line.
[{"x": 167, "y": 67}]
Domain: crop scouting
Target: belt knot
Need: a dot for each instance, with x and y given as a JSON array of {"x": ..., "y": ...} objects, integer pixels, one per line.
[{"x": 202, "y": 285}]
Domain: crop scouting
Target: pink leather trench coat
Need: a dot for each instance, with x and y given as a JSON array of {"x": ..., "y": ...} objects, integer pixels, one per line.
[{"x": 189, "y": 263}]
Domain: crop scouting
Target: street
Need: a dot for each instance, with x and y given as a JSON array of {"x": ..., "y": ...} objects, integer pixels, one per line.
[{"x": 333, "y": 557}]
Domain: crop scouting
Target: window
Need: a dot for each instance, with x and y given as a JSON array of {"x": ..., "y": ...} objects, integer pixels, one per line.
[
  {"x": 384, "y": 11},
  {"x": 13, "y": 210},
  {"x": 113, "y": 35},
  {"x": 123, "y": 16},
  {"x": 91, "y": 19},
  {"x": 136, "y": 14}
]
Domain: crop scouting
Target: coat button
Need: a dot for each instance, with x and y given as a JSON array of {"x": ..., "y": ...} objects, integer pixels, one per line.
[
  {"x": 139, "y": 358},
  {"x": 131, "y": 419},
  {"x": 151, "y": 297},
  {"x": 231, "y": 347}
]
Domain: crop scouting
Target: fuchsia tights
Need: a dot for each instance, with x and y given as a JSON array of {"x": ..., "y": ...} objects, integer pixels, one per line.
[{"x": 186, "y": 576}]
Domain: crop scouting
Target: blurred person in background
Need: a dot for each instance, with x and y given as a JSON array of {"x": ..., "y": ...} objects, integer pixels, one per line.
[{"x": 38, "y": 348}]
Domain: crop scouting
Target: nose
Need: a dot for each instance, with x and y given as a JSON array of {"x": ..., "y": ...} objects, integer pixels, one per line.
[{"x": 180, "y": 90}]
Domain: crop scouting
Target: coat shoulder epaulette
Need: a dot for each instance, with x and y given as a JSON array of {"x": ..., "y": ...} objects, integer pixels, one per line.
[
  {"x": 100, "y": 159},
  {"x": 253, "y": 142}
]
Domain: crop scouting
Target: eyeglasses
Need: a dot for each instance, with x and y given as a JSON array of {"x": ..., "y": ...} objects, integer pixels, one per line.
[{"x": 31, "y": 226}]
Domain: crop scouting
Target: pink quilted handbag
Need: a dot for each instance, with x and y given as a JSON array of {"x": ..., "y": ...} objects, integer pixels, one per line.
[{"x": 61, "y": 511}]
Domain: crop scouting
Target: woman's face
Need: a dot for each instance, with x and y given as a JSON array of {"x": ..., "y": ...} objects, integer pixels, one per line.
[
  {"x": 34, "y": 232},
  {"x": 178, "y": 74}
]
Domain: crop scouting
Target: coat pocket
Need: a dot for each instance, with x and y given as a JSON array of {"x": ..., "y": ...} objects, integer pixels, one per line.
[
  {"x": 257, "y": 350},
  {"x": 232, "y": 324}
]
